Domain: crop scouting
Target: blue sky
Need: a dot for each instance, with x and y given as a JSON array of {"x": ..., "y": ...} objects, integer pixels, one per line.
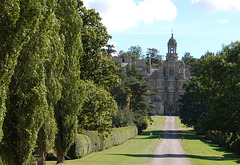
[{"x": 198, "y": 25}]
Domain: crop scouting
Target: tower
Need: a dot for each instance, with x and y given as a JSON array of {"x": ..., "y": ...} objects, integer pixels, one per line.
[
  {"x": 166, "y": 80},
  {"x": 172, "y": 50}
]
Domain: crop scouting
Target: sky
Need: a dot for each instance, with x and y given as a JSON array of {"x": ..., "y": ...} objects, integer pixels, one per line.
[{"x": 197, "y": 25}]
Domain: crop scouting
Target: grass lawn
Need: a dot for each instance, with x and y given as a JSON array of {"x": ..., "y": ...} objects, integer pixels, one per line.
[
  {"x": 179, "y": 124},
  {"x": 157, "y": 121},
  {"x": 137, "y": 151},
  {"x": 202, "y": 152}
]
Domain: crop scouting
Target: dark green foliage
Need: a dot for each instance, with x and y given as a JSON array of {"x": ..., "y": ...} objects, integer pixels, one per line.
[
  {"x": 133, "y": 53},
  {"x": 191, "y": 63},
  {"x": 124, "y": 117},
  {"x": 92, "y": 141},
  {"x": 68, "y": 107},
  {"x": 9, "y": 15},
  {"x": 230, "y": 141},
  {"x": 192, "y": 104},
  {"x": 98, "y": 109},
  {"x": 153, "y": 54},
  {"x": 211, "y": 102},
  {"x": 109, "y": 49},
  {"x": 131, "y": 97}
]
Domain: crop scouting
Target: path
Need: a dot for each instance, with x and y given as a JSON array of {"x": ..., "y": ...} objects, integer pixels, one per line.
[{"x": 169, "y": 151}]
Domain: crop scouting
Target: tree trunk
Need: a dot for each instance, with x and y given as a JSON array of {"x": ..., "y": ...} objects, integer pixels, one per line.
[
  {"x": 42, "y": 159},
  {"x": 60, "y": 157}
]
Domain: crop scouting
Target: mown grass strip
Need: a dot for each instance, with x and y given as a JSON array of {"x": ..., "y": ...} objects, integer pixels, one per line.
[
  {"x": 202, "y": 152},
  {"x": 137, "y": 151},
  {"x": 179, "y": 124},
  {"x": 157, "y": 121}
]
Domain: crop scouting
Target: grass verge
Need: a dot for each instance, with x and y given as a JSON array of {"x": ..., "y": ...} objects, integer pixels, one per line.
[
  {"x": 157, "y": 121},
  {"x": 179, "y": 124},
  {"x": 202, "y": 152},
  {"x": 137, "y": 151}
]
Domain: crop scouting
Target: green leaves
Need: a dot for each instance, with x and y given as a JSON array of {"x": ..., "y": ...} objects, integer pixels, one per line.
[
  {"x": 131, "y": 97},
  {"x": 217, "y": 82},
  {"x": 97, "y": 110},
  {"x": 95, "y": 65},
  {"x": 68, "y": 107},
  {"x": 47, "y": 47}
]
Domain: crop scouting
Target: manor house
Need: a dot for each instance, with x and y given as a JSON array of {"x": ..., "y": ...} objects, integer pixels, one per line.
[{"x": 166, "y": 80}]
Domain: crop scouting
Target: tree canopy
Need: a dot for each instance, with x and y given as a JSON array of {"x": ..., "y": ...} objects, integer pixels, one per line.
[
  {"x": 131, "y": 96},
  {"x": 215, "y": 103}
]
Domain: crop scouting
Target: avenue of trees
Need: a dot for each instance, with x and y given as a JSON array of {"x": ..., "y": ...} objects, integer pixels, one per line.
[
  {"x": 212, "y": 99},
  {"x": 56, "y": 81}
]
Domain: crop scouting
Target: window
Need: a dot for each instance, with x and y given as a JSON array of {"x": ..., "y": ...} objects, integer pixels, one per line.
[
  {"x": 171, "y": 83},
  {"x": 171, "y": 72},
  {"x": 159, "y": 83},
  {"x": 151, "y": 82},
  {"x": 170, "y": 96},
  {"x": 180, "y": 84}
]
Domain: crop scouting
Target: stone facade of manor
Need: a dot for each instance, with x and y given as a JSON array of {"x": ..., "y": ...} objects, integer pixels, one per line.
[{"x": 166, "y": 80}]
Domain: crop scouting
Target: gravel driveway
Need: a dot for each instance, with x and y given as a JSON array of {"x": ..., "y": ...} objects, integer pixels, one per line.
[{"x": 169, "y": 151}]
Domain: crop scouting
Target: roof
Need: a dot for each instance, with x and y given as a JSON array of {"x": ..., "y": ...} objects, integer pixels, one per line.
[{"x": 172, "y": 41}]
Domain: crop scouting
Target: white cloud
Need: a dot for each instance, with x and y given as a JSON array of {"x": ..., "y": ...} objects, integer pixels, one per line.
[
  {"x": 118, "y": 15},
  {"x": 222, "y": 21},
  {"x": 218, "y": 5}
]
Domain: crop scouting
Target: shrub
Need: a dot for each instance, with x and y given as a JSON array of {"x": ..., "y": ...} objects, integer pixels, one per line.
[{"x": 230, "y": 141}]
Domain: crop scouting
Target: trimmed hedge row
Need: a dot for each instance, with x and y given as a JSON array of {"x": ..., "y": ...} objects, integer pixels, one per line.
[
  {"x": 229, "y": 141},
  {"x": 91, "y": 141}
]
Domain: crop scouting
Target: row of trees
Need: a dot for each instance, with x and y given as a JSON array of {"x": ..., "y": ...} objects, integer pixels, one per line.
[
  {"x": 211, "y": 101},
  {"x": 56, "y": 80},
  {"x": 50, "y": 57}
]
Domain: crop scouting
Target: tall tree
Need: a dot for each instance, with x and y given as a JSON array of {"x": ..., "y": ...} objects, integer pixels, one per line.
[
  {"x": 154, "y": 55},
  {"x": 152, "y": 52},
  {"x": 131, "y": 96},
  {"x": 16, "y": 26},
  {"x": 136, "y": 51},
  {"x": 95, "y": 65},
  {"x": 133, "y": 53},
  {"x": 219, "y": 75},
  {"x": 211, "y": 101},
  {"x": 110, "y": 49},
  {"x": 191, "y": 63},
  {"x": 26, "y": 103},
  {"x": 68, "y": 107},
  {"x": 53, "y": 66},
  {"x": 193, "y": 104}
]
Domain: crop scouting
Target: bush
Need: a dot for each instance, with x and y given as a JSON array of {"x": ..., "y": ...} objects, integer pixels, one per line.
[
  {"x": 91, "y": 141},
  {"x": 229, "y": 141}
]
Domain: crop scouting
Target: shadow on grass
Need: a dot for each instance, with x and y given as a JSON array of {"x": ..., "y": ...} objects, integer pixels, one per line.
[
  {"x": 167, "y": 134},
  {"x": 185, "y": 134},
  {"x": 155, "y": 134},
  {"x": 191, "y": 135},
  {"x": 213, "y": 158}
]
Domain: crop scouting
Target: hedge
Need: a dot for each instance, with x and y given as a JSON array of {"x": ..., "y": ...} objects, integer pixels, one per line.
[{"x": 91, "y": 141}]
